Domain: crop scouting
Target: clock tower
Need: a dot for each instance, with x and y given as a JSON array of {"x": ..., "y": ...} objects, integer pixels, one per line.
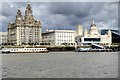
[
  {"x": 19, "y": 17},
  {"x": 28, "y": 14},
  {"x": 26, "y": 30}
]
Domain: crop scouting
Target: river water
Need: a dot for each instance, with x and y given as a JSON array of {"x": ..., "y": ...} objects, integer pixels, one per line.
[{"x": 60, "y": 65}]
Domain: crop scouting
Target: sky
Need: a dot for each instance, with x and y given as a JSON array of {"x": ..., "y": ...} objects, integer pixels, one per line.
[{"x": 65, "y": 15}]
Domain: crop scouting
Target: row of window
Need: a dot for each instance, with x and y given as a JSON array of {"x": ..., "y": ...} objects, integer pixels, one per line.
[
  {"x": 58, "y": 36},
  {"x": 64, "y": 36},
  {"x": 66, "y": 43},
  {"x": 47, "y": 37},
  {"x": 64, "y": 40},
  {"x": 65, "y": 32}
]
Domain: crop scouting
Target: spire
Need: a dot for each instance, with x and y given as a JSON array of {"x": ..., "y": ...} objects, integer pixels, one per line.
[
  {"x": 19, "y": 15},
  {"x": 18, "y": 12},
  {"x": 93, "y": 22},
  {"x": 28, "y": 2},
  {"x": 28, "y": 9}
]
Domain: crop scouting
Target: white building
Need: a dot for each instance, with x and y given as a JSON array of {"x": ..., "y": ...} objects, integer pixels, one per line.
[
  {"x": 59, "y": 37},
  {"x": 92, "y": 36},
  {"x": 3, "y": 38}
]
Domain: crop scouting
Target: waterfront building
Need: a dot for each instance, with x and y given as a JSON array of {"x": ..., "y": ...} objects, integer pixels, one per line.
[
  {"x": 59, "y": 37},
  {"x": 115, "y": 35},
  {"x": 92, "y": 36},
  {"x": 3, "y": 38},
  {"x": 25, "y": 29},
  {"x": 79, "y": 30}
]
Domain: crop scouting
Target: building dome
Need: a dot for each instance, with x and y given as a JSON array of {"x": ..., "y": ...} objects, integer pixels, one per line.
[{"x": 93, "y": 29}]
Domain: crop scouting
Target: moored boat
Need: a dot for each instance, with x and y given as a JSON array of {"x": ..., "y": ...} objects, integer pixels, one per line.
[{"x": 24, "y": 50}]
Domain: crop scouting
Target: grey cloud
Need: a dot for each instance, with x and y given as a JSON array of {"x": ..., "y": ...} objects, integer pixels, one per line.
[
  {"x": 7, "y": 9},
  {"x": 65, "y": 15},
  {"x": 70, "y": 8}
]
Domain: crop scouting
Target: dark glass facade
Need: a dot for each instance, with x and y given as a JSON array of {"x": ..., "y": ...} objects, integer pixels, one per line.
[
  {"x": 115, "y": 38},
  {"x": 91, "y": 39}
]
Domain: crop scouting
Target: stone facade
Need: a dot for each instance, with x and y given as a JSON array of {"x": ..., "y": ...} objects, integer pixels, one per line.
[
  {"x": 25, "y": 30},
  {"x": 3, "y": 38},
  {"x": 59, "y": 37}
]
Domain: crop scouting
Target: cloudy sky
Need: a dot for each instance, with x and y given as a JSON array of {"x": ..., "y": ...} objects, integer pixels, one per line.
[{"x": 65, "y": 15}]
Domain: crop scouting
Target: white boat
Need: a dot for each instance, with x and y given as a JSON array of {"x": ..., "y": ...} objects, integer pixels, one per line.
[
  {"x": 24, "y": 50},
  {"x": 92, "y": 50},
  {"x": 83, "y": 49}
]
